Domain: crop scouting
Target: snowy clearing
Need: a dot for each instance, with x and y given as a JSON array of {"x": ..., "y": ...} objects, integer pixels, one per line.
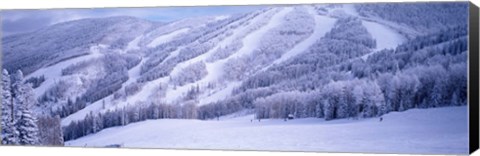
[
  {"x": 386, "y": 38},
  {"x": 419, "y": 131}
]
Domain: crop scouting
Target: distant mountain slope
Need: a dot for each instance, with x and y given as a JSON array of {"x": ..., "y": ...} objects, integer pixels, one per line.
[
  {"x": 423, "y": 18},
  {"x": 62, "y": 41}
]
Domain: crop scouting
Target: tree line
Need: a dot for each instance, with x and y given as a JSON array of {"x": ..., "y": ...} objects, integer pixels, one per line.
[{"x": 20, "y": 125}]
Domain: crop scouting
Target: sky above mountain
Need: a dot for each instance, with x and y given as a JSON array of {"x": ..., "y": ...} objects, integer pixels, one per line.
[{"x": 19, "y": 21}]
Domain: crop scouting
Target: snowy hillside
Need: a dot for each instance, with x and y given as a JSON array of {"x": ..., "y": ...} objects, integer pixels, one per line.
[
  {"x": 427, "y": 130},
  {"x": 325, "y": 65}
]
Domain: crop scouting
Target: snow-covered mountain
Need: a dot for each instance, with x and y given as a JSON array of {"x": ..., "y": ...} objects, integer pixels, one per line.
[{"x": 326, "y": 61}]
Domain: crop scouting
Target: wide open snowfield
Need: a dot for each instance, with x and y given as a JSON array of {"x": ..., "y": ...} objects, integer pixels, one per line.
[{"x": 419, "y": 131}]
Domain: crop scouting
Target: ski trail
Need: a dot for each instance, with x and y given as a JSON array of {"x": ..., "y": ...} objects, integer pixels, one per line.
[
  {"x": 385, "y": 37},
  {"x": 147, "y": 89},
  {"x": 53, "y": 73},
  {"x": 133, "y": 45},
  {"x": 214, "y": 69},
  {"x": 250, "y": 43},
  {"x": 323, "y": 24}
]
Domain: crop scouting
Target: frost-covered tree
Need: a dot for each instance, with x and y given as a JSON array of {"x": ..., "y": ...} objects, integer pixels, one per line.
[
  {"x": 24, "y": 100},
  {"x": 36, "y": 81},
  {"x": 370, "y": 99},
  {"x": 9, "y": 131},
  {"x": 423, "y": 17},
  {"x": 191, "y": 73},
  {"x": 332, "y": 95},
  {"x": 50, "y": 131}
]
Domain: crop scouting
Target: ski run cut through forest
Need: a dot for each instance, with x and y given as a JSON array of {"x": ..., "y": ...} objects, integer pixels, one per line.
[{"x": 387, "y": 78}]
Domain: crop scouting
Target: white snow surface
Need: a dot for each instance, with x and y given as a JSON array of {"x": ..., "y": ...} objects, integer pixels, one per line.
[
  {"x": 416, "y": 131},
  {"x": 386, "y": 38},
  {"x": 167, "y": 37},
  {"x": 133, "y": 45}
]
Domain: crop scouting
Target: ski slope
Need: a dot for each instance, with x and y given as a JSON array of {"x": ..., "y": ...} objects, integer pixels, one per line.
[
  {"x": 323, "y": 24},
  {"x": 133, "y": 45},
  {"x": 416, "y": 131},
  {"x": 215, "y": 69},
  {"x": 53, "y": 73},
  {"x": 386, "y": 38},
  {"x": 148, "y": 89},
  {"x": 167, "y": 37}
]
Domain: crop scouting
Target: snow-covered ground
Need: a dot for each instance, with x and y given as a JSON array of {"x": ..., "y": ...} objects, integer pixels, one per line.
[
  {"x": 419, "y": 131},
  {"x": 385, "y": 37},
  {"x": 133, "y": 45},
  {"x": 167, "y": 37},
  {"x": 53, "y": 73}
]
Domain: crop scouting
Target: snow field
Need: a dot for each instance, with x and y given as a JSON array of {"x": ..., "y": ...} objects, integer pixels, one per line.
[
  {"x": 386, "y": 38},
  {"x": 418, "y": 131}
]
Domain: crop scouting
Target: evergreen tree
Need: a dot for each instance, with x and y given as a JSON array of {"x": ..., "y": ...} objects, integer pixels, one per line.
[
  {"x": 9, "y": 132},
  {"x": 23, "y": 100}
]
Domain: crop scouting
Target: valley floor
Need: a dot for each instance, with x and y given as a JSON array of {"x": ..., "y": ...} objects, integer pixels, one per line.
[{"x": 419, "y": 131}]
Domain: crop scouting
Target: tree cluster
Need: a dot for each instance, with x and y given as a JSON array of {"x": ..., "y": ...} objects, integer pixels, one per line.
[
  {"x": 36, "y": 81},
  {"x": 425, "y": 18},
  {"x": 19, "y": 123}
]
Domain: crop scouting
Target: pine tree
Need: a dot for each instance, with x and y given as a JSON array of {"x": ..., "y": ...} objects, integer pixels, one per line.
[
  {"x": 17, "y": 84},
  {"x": 58, "y": 130},
  {"x": 9, "y": 132},
  {"x": 23, "y": 100}
]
